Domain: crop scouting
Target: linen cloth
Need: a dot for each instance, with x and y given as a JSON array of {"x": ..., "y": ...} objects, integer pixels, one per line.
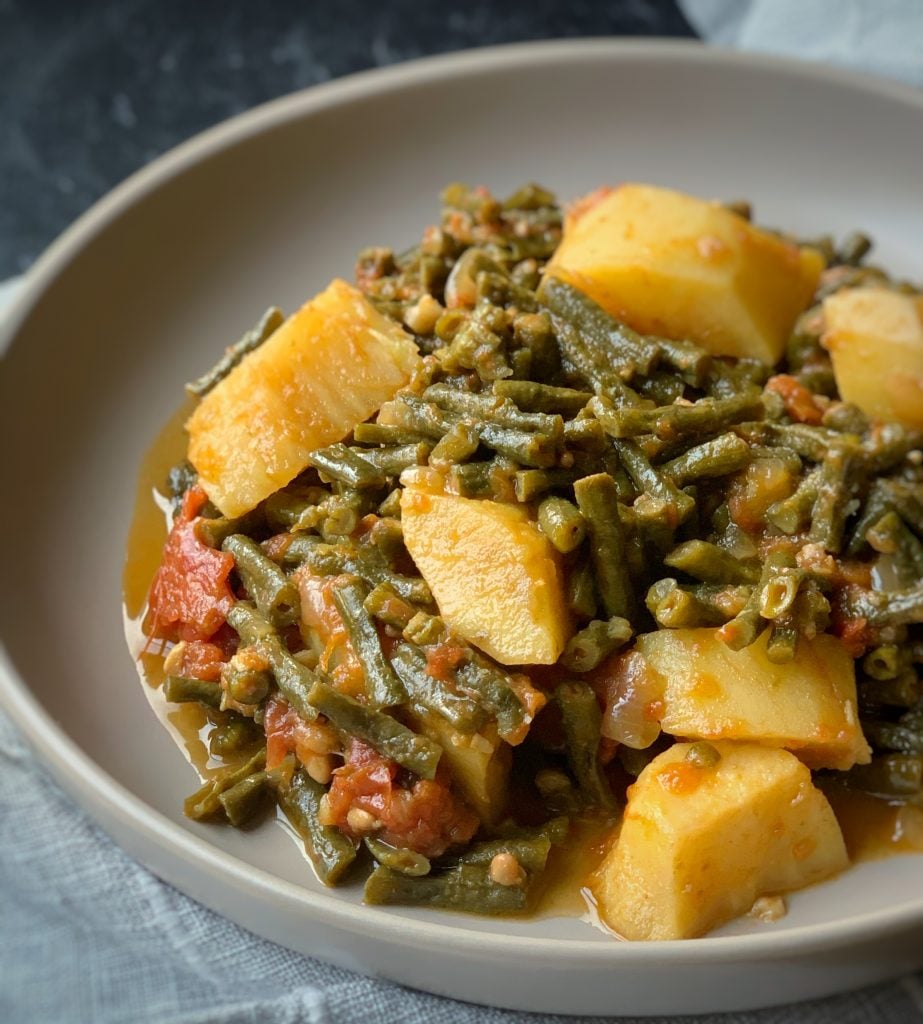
[{"x": 88, "y": 935}]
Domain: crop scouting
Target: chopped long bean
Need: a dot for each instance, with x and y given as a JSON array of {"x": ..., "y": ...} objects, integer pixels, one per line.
[
  {"x": 273, "y": 592},
  {"x": 383, "y": 688},
  {"x": 331, "y": 852},
  {"x": 387, "y": 735}
]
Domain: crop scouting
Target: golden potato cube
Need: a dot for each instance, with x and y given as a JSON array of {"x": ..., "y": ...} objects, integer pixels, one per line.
[
  {"x": 670, "y": 264},
  {"x": 699, "y": 845},
  {"x": 327, "y": 368},
  {"x": 479, "y": 762},
  {"x": 875, "y": 338},
  {"x": 807, "y": 706},
  {"x": 494, "y": 575}
]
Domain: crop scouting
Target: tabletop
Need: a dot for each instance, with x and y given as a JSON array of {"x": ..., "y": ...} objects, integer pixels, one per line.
[{"x": 90, "y": 92}]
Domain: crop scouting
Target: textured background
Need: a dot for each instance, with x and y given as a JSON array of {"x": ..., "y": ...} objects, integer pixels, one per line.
[{"x": 91, "y": 90}]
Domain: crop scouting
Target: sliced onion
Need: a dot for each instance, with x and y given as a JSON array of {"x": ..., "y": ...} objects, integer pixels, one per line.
[{"x": 634, "y": 702}]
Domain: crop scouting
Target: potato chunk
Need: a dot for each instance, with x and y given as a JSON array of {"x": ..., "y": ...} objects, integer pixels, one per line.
[
  {"x": 494, "y": 575},
  {"x": 327, "y": 368},
  {"x": 712, "y": 692},
  {"x": 670, "y": 264},
  {"x": 699, "y": 844},
  {"x": 479, "y": 762},
  {"x": 875, "y": 338}
]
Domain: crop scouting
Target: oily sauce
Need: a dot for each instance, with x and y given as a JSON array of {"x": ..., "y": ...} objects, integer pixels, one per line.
[{"x": 872, "y": 827}]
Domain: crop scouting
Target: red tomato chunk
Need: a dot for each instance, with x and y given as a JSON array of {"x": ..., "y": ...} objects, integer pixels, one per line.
[
  {"x": 423, "y": 816},
  {"x": 190, "y": 596}
]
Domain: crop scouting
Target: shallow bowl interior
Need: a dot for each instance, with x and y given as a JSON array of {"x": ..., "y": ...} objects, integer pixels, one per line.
[{"x": 145, "y": 290}]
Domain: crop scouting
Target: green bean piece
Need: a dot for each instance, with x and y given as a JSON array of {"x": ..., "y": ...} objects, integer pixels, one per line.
[
  {"x": 386, "y": 605},
  {"x": 585, "y": 433},
  {"x": 747, "y": 625},
  {"x": 425, "y": 630},
  {"x": 711, "y": 564},
  {"x": 594, "y": 643},
  {"x": 182, "y": 690},
  {"x": 893, "y": 607},
  {"x": 329, "y": 850},
  {"x": 791, "y": 514},
  {"x": 828, "y": 518},
  {"x": 368, "y": 565},
  {"x": 387, "y": 537},
  {"x": 251, "y": 625},
  {"x": 383, "y": 688},
  {"x": 466, "y": 889},
  {"x": 433, "y": 694},
  {"x": 252, "y": 340},
  {"x": 845, "y": 417},
  {"x": 243, "y": 801},
  {"x": 717, "y": 457},
  {"x": 398, "y": 859},
  {"x": 889, "y": 445},
  {"x": 384, "y": 433},
  {"x": 337, "y": 462},
  {"x": 459, "y": 444},
  {"x": 600, "y": 338},
  {"x": 531, "y": 396},
  {"x": 893, "y": 736},
  {"x": 562, "y": 524},
  {"x": 676, "y": 607},
  {"x": 494, "y": 408},
  {"x": 807, "y": 441},
  {"x": 246, "y": 685},
  {"x": 529, "y": 484},
  {"x": 903, "y": 691},
  {"x": 293, "y": 678},
  {"x": 885, "y": 662},
  {"x": 677, "y": 505},
  {"x": 233, "y": 736},
  {"x": 597, "y": 499},
  {"x": 662, "y": 387},
  {"x": 479, "y": 479},
  {"x": 393, "y": 460},
  {"x": 214, "y": 532},
  {"x": 778, "y": 594},
  {"x": 530, "y": 851},
  {"x": 890, "y": 775},
  {"x": 491, "y": 688},
  {"x": 581, "y": 591},
  {"x": 527, "y": 447},
  {"x": 204, "y": 803},
  {"x": 582, "y": 720},
  {"x": 706, "y": 416},
  {"x": 273, "y": 592},
  {"x": 853, "y": 248},
  {"x": 891, "y": 536},
  {"x": 783, "y": 642},
  {"x": 391, "y": 739}
]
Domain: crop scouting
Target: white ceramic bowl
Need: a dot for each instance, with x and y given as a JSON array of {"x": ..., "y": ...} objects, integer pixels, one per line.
[{"x": 141, "y": 293}]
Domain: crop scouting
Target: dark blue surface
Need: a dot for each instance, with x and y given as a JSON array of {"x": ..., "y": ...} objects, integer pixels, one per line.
[{"x": 91, "y": 91}]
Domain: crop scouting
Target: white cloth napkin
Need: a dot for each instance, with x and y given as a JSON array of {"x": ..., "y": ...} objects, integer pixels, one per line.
[{"x": 88, "y": 935}]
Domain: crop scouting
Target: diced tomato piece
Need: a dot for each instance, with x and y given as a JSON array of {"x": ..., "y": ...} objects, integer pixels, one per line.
[
  {"x": 799, "y": 401},
  {"x": 190, "y": 596},
  {"x": 288, "y": 733},
  {"x": 424, "y": 816},
  {"x": 200, "y": 660}
]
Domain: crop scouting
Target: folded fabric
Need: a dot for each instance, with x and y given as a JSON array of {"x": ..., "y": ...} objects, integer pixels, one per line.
[{"x": 883, "y": 37}]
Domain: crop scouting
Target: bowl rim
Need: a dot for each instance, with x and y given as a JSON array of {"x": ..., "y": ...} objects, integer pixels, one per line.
[{"x": 89, "y": 783}]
